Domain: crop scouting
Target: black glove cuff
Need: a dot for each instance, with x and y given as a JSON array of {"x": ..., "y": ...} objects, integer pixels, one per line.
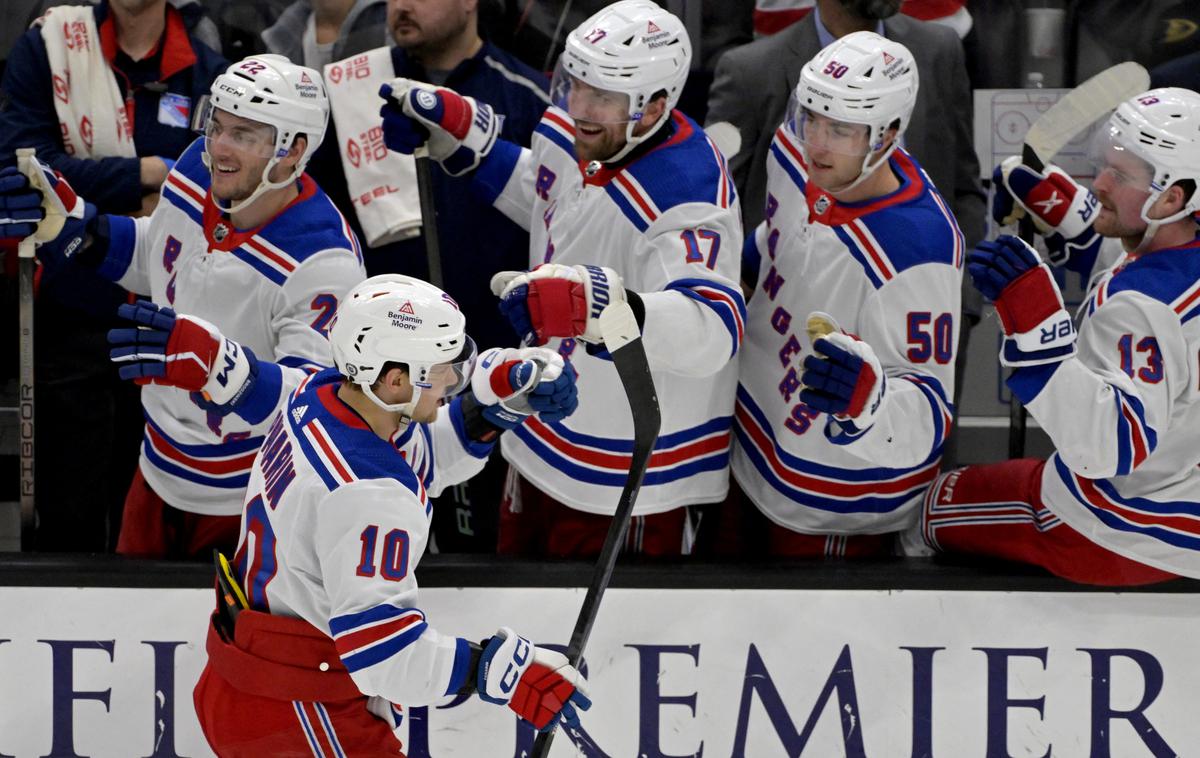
[
  {"x": 479, "y": 429},
  {"x": 95, "y": 243},
  {"x": 471, "y": 684},
  {"x": 639, "y": 308}
]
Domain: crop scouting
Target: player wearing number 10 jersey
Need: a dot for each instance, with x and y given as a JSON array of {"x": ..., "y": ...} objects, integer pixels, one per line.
[{"x": 840, "y": 435}]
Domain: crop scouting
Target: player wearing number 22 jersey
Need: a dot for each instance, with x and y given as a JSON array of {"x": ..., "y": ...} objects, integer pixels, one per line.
[{"x": 843, "y": 438}]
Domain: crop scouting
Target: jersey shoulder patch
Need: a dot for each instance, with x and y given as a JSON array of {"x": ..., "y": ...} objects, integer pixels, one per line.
[
  {"x": 1171, "y": 277},
  {"x": 337, "y": 443},
  {"x": 310, "y": 225},
  {"x": 687, "y": 168}
]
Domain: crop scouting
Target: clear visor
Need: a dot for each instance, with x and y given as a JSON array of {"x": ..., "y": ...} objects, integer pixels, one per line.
[
  {"x": 584, "y": 102},
  {"x": 1110, "y": 152},
  {"x": 224, "y": 129},
  {"x": 822, "y": 133},
  {"x": 449, "y": 379}
]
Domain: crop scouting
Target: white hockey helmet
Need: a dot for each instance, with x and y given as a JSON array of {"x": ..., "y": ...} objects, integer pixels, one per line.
[
  {"x": 1151, "y": 142},
  {"x": 396, "y": 318},
  {"x": 272, "y": 90},
  {"x": 633, "y": 49},
  {"x": 863, "y": 79}
]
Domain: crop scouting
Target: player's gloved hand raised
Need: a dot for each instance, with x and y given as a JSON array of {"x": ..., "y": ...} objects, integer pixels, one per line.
[
  {"x": 1062, "y": 209},
  {"x": 539, "y": 685},
  {"x": 1036, "y": 324},
  {"x": 555, "y": 300},
  {"x": 512, "y": 383},
  {"x": 184, "y": 352},
  {"x": 843, "y": 377},
  {"x": 460, "y": 131},
  {"x": 46, "y": 209}
]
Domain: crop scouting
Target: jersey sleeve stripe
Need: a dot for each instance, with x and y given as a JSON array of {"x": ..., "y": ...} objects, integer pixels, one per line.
[
  {"x": 558, "y": 129},
  {"x": 1135, "y": 438},
  {"x": 724, "y": 184},
  {"x": 871, "y": 248},
  {"x": 258, "y": 264},
  {"x": 726, "y": 302},
  {"x": 216, "y": 466},
  {"x": 366, "y": 639},
  {"x": 941, "y": 407},
  {"x": 1175, "y": 523},
  {"x": 637, "y": 198},
  {"x": 951, "y": 222},
  {"x": 663, "y": 457},
  {"x": 122, "y": 241},
  {"x": 327, "y": 452},
  {"x": 1189, "y": 298},
  {"x": 879, "y": 489},
  {"x": 627, "y": 207},
  {"x": 852, "y": 246}
]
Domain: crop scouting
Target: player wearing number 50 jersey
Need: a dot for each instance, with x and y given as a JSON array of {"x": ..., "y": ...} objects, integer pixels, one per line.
[
  {"x": 624, "y": 198},
  {"x": 246, "y": 241},
  {"x": 1119, "y": 500},
  {"x": 838, "y": 436}
]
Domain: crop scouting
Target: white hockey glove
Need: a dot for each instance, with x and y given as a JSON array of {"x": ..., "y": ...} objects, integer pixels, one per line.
[
  {"x": 460, "y": 130},
  {"x": 512, "y": 383},
  {"x": 539, "y": 685},
  {"x": 555, "y": 300}
]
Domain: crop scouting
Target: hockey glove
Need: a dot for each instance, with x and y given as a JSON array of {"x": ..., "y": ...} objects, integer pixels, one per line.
[
  {"x": 513, "y": 383},
  {"x": 184, "y": 352},
  {"x": 555, "y": 300},
  {"x": 1037, "y": 327},
  {"x": 460, "y": 130},
  {"x": 44, "y": 206},
  {"x": 539, "y": 685},
  {"x": 843, "y": 378},
  {"x": 1062, "y": 210}
]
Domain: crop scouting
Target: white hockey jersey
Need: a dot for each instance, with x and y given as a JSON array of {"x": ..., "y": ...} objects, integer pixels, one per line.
[
  {"x": 335, "y": 521},
  {"x": 888, "y": 270},
  {"x": 273, "y": 289},
  {"x": 668, "y": 222},
  {"x": 1124, "y": 413}
]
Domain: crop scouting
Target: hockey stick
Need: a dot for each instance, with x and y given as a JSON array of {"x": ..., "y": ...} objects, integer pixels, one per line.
[
  {"x": 433, "y": 247},
  {"x": 1074, "y": 112},
  {"x": 27, "y": 263},
  {"x": 624, "y": 343}
]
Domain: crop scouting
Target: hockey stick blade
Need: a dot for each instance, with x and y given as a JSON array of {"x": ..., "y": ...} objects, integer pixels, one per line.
[
  {"x": 1082, "y": 107},
  {"x": 624, "y": 343}
]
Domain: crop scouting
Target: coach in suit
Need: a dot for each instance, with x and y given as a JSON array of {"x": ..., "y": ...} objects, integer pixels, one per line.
[{"x": 752, "y": 84}]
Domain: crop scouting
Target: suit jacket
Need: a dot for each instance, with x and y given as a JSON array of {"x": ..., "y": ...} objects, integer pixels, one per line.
[{"x": 753, "y": 82}]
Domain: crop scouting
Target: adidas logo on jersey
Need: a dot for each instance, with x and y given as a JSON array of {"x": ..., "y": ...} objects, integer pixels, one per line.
[{"x": 298, "y": 413}]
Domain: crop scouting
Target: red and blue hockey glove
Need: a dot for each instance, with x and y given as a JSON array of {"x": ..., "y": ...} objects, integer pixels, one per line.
[
  {"x": 512, "y": 383},
  {"x": 1036, "y": 324},
  {"x": 460, "y": 131},
  {"x": 843, "y": 377},
  {"x": 539, "y": 685},
  {"x": 1062, "y": 209},
  {"x": 184, "y": 352},
  {"x": 555, "y": 300},
  {"x": 44, "y": 206}
]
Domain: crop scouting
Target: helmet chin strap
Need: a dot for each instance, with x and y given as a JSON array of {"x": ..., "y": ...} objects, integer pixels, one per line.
[
  {"x": 632, "y": 142},
  {"x": 264, "y": 184},
  {"x": 405, "y": 409},
  {"x": 1154, "y": 224}
]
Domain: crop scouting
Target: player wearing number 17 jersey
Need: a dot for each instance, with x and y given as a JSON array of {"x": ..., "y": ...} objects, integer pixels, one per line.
[
  {"x": 624, "y": 198},
  {"x": 838, "y": 436}
]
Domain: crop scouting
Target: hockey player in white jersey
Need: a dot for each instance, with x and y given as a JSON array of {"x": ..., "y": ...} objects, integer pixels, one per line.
[
  {"x": 246, "y": 241},
  {"x": 624, "y": 199},
  {"x": 839, "y": 435},
  {"x": 1118, "y": 502},
  {"x": 327, "y": 640}
]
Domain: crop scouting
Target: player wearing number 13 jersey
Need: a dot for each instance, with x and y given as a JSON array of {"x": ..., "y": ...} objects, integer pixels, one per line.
[
  {"x": 1119, "y": 500},
  {"x": 624, "y": 198},
  {"x": 840, "y": 435}
]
